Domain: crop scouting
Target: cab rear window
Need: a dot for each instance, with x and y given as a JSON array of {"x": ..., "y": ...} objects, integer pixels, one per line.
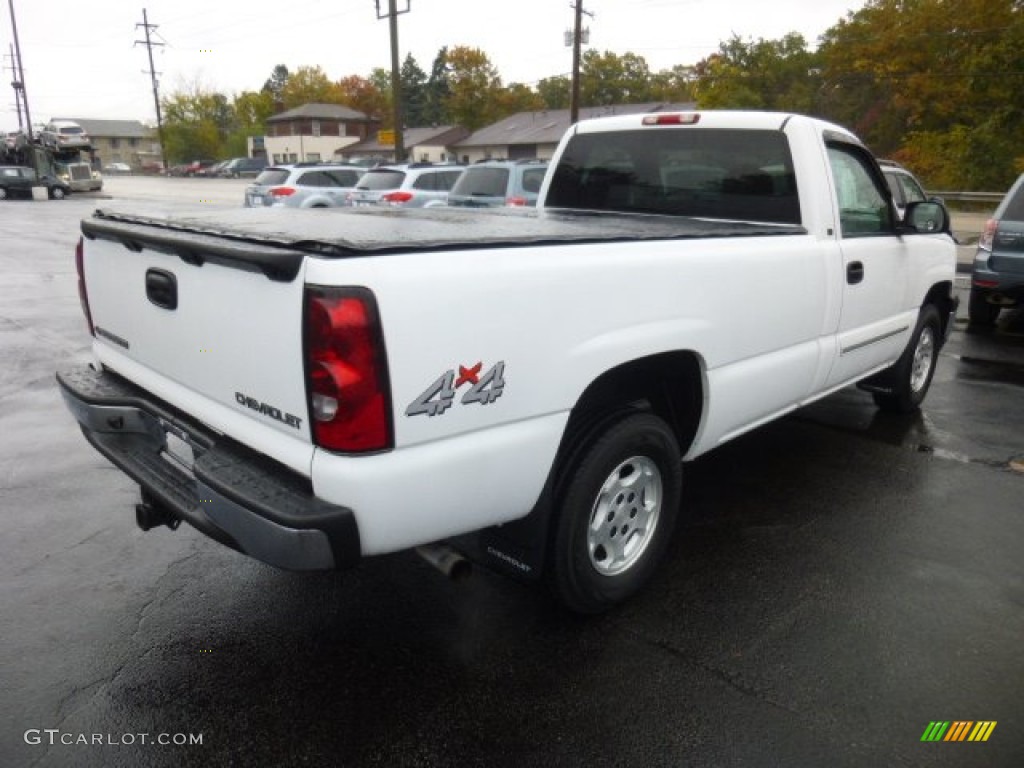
[
  {"x": 482, "y": 182},
  {"x": 272, "y": 176},
  {"x": 740, "y": 175}
]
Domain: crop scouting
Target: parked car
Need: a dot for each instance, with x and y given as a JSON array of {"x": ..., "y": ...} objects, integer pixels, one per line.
[
  {"x": 113, "y": 168},
  {"x": 18, "y": 181},
  {"x": 998, "y": 279},
  {"x": 64, "y": 134},
  {"x": 303, "y": 186},
  {"x": 241, "y": 168},
  {"x": 418, "y": 185},
  {"x": 211, "y": 171},
  {"x": 499, "y": 183},
  {"x": 195, "y": 168},
  {"x": 904, "y": 185}
]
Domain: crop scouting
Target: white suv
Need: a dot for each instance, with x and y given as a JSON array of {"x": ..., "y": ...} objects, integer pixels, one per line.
[
  {"x": 309, "y": 185},
  {"x": 418, "y": 185},
  {"x": 64, "y": 134}
]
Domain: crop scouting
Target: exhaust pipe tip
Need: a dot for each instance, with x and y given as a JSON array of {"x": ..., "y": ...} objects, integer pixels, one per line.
[{"x": 446, "y": 560}]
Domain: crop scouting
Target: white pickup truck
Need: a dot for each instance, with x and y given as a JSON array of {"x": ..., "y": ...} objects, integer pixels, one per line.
[{"x": 516, "y": 388}]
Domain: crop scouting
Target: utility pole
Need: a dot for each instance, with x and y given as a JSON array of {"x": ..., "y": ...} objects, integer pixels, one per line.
[
  {"x": 16, "y": 85},
  {"x": 396, "y": 74},
  {"x": 577, "y": 40},
  {"x": 153, "y": 73},
  {"x": 19, "y": 83}
]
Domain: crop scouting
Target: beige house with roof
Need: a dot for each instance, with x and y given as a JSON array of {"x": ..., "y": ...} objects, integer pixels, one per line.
[{"x": 315, "y": 132}]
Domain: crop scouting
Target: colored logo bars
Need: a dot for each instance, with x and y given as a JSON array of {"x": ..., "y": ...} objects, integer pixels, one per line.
[{"x": 958, "y": 730}]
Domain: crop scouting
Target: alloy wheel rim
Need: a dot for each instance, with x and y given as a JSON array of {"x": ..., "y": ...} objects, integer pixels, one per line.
[
  {"x": 924, "y": 359},
  {"x": 624, "y": 515}
]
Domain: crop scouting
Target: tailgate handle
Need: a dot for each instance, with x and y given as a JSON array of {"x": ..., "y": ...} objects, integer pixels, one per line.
[{"x": 162, "y": 288}]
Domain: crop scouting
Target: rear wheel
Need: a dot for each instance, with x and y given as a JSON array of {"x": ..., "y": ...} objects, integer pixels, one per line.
[
  {"x": 912, "y": 374},
  {"x": 3, "y": 193},
  {"x": 616, "y": 514},
  {"x": 979, "y": 311}
]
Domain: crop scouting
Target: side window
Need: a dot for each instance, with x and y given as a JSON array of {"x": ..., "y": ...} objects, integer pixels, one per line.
[
  {"x": 425, "y": 181},
  {"x": 533, "y": 178},
  {"x": 342, "y": 178},
  {"x": 448, "y": 179},
  {"x": 864, "y": 209},
  {"x": 312, "y": 179}
]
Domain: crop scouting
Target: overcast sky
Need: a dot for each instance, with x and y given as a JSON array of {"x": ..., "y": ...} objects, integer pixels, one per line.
[{"x": 80, "y": 57}]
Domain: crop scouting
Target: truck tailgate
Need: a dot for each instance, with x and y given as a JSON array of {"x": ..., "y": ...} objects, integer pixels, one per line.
[{"x": 210, "y": 326}]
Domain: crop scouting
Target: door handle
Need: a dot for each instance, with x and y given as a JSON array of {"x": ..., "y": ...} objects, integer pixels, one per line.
[
  {"x": 162, "y": 288},
  {"x": 854, "y": 272}
]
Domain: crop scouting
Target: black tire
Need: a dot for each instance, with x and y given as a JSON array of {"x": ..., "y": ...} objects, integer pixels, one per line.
[
  {"x": 912, "y": 374},
  {"x": 629, "y": 472},
  {"x": 3, "y": 193},
  {"x": 979, "y": 311},
  {"x": 57, "y": 193}
]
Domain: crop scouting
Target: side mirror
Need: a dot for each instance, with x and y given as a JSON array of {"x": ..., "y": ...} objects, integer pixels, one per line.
[{"x": 926, "y": 218}]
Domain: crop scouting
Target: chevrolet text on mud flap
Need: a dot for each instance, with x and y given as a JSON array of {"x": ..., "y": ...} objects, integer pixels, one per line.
[{"x": 516, "y": 388}]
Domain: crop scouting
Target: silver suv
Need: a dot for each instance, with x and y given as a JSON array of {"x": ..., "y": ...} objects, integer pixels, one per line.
[
  {"x": 303, "y": 186},
  {"x": 998, "y": 278},
  {"x": 904, "y": 186},
  {"x": 418, "y": 185},
  {"x": 493, "y": 183}
]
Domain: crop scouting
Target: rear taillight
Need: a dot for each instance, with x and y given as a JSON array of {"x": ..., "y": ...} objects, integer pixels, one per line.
[
  {"x": 515, "y": 202},
  {"x": 988, "y": 234},
  {"x": 347, "y": 384},
  {"x": 396, "y": 198},
  {"x": 83, "y": 295},
  {"x": 282, "y": 191}
]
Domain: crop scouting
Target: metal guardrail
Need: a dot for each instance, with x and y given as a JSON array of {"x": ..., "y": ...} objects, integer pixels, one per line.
[{"x": 968, "y": 197}]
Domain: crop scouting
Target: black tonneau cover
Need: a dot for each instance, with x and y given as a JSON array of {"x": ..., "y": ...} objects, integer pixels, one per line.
[{"x": 276, "y": 240}]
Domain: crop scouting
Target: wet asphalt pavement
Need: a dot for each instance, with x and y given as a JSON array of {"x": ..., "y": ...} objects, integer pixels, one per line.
[{"x": 844, "y": 579}]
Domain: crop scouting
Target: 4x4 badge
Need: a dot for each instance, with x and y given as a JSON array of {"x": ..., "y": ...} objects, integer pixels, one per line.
[{"x": 439, "y": 396}]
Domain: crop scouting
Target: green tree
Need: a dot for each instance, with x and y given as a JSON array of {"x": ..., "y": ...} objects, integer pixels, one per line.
[
  {"x": 555, "y": 91},
  {"x": 438, "y": 91},
  {"x": 475, "y": 87},
  {"x": 607, "y": 78},
  {"x": 309, "y": 85},
  {"x": 935, "y": 83},
  {"x": 759, "y": 74},
  {"x": 517, "y": 97},
  {"x": 414, "y": 92},
  {"x": 362, "y": 95},
  {"x": 197, "y": 123},
  {"x": 250, "y": 111},
  {"x": 276, "y": 82},
  {"x": 674, "y": 85}
]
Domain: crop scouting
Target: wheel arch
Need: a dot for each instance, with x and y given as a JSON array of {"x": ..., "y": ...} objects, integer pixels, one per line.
[
  {"x": 941, "y": 296},
  {"x": 669, "y": 384}
]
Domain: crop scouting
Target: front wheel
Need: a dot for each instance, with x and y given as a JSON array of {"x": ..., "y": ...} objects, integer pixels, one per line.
[
  {"x": 912, "y": 374},
  {"x": 57, "y": 193},
  {"x": 616, "y": 514}
]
